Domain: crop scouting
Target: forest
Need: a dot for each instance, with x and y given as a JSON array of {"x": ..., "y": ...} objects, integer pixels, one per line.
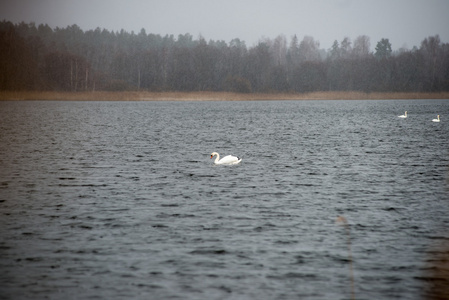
[{"x": 39, "y": 58}]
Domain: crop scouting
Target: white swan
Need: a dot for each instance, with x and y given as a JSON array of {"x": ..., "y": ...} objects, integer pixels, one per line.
[
  {"x": 227, "y": 160},
  {"x": 403, "y": 116},
  {"x": 437, "y": 119}
]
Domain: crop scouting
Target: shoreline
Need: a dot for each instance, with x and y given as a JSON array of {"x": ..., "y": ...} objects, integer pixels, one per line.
[{"x": 210, "y": 96}]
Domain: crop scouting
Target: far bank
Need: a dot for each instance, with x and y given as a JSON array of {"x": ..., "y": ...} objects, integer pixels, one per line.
[{"x": 210, "y": 96}]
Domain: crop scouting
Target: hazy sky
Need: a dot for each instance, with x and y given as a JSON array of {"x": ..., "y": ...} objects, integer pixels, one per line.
[{"x": 404, "y": 22}]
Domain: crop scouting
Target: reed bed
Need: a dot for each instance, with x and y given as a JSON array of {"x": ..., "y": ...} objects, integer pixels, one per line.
[{"x": 209, "y": 96}]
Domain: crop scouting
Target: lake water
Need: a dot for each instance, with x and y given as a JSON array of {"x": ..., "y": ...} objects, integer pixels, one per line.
[{"x": 120, "y": 200}]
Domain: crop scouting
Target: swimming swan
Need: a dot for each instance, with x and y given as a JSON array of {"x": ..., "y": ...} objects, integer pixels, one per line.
[
  {"x": 227, "y": 160},
  {"x": 403, "y": 116},
  {"x": 437, "y": 119}
]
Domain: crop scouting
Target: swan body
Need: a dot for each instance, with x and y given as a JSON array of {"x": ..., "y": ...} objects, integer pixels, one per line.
[
  {"x": 437, "y": 119},
  {"x": 404, "y": 115},
  {"x": 227, "y": 160}
]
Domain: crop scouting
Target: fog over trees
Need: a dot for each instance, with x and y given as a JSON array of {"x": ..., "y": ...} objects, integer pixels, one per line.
[{"x": 70, "y": 59}]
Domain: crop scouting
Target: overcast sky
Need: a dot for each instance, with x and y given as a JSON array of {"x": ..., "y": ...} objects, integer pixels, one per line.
[{"x": 403, "y": 22}]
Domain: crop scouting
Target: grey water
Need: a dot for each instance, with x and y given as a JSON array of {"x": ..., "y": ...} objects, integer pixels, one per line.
[{"x": 120, "y": 200}]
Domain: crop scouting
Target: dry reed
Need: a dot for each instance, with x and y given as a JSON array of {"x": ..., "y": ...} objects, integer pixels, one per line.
[
  {"x": 209, "y": 96},
  {"x": 342, "y": 220}
]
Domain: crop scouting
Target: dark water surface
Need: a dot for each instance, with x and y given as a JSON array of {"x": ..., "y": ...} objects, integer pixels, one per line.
[{"x": 120, "y": 200}]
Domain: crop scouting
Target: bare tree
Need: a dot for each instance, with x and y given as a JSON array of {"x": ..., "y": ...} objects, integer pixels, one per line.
[
  {"x": 278, "y": 49},
  {"x": 361, "y": 46},
  {"x": 309, "y": 49}
]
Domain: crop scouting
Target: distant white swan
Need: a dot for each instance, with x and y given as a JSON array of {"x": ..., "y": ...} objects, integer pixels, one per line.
[
  {"x": 227, "y": 160},
  {"x": 404, "y": 115},
  {"x": 437, "y": 119}
]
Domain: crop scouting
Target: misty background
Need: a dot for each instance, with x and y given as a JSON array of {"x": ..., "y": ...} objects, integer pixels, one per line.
[
  {"x": 253, "y": 46},
  {"x": 404, "y": 22}
]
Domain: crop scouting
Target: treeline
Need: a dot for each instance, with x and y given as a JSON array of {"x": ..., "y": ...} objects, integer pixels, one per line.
[{"x": 70, "y": 59}]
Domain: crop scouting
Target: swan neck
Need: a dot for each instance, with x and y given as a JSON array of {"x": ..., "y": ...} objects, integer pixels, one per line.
[{"x": 217, "y": 158}]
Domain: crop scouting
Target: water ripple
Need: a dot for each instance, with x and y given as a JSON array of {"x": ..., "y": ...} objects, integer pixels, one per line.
[{"x": 121, "y": 200}]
